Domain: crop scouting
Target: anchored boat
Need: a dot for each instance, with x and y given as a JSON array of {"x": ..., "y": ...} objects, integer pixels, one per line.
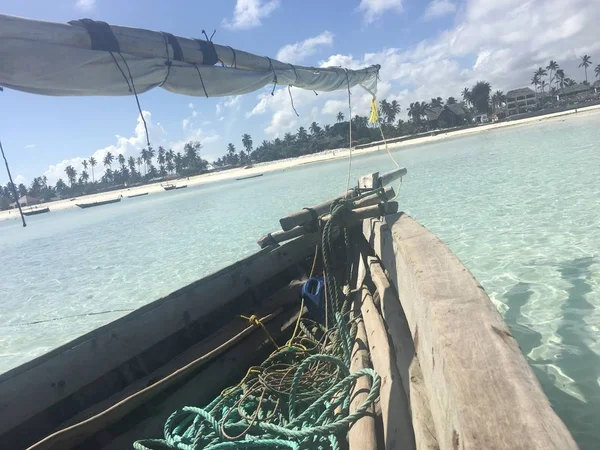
[
  {"x": 35, "y": 212},
  {"x": 352, "y": 327},
  {"x": 93, "y": 204},
  {"x": 137, "y": 195}
]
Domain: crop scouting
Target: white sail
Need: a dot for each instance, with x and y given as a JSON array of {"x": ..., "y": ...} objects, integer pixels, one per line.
[{"x": 92, "y": 58}]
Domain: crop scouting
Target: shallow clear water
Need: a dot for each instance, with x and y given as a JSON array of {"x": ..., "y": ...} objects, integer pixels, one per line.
[{"x": 520, "y": 207}]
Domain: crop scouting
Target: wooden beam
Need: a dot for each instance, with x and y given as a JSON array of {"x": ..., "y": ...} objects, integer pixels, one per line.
[
  {"x": 397, "y": 427},
  {"x": 352, "y": 217},
  {"x": 369, "y": 181},
  {"x": 58, "y": 374},
  {"x": 394, "y": 317},
  {"x": 305, "y": 215},
  {"x": 391, "y": 176},
  {"x": 362, "y": 433},
  {"x": 483, "y": 394}
]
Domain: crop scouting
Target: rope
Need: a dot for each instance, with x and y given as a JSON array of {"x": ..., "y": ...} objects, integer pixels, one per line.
[
  {"x": 299, "y": 397},
  {"x": 13, "y": 187}
]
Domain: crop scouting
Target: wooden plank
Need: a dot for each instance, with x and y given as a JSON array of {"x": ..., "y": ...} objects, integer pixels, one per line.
[
  {"x": 397, "y": 427},
  {"x": 362, "y": 434},
  {"x": 74, "y": 365},
  {"x": 224, "y": 372},
  {"x": 483, "y": 394},
  {"x": 425, "y": 435},
  {"x": 305, "y": 215},
  {"x": 352, "y": 217},
  {"x": 397, "y": 326}
]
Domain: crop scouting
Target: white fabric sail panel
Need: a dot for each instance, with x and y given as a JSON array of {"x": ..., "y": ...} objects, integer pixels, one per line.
[{"x": 57, "y": 59}]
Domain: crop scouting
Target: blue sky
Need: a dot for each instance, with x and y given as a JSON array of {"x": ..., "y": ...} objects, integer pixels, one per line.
[{"x": 426, "y": 48}]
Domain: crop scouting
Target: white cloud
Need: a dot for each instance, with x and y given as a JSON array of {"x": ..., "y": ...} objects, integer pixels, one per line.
[
  {"x": 298, "y": 52},
  {"x": 249, "y": 13},
  {"x": 191, "y": 106},
  {"x": 374, "y": 9},
  {"x": 500, "y": 42},
  {"x": 85, "y": 5},
  {"x": 20, "y": 179},
  {"x": 232, "y": 101},
  {"x": 30, "y": 146},
  {"x": 439, "y": 8}
]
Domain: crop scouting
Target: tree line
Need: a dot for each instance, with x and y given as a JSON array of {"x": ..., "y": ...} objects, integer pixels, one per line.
[{"x": 153, "y": 165}]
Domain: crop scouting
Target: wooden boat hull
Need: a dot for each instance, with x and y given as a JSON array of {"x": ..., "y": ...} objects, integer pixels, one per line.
[
  {"x": 137, "y": 195},
  {"x": 169, "y": 188},
  {"x": 181, "y": 187},
  {"x": 35, "y": 212},
  {"x": 250, "y": 176},
  {"x": 92, "y": 205},
  {"x": 458, "y": 368}
]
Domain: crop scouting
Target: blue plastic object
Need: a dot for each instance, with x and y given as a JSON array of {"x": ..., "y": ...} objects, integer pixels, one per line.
[{"x": 313, "y": 293}]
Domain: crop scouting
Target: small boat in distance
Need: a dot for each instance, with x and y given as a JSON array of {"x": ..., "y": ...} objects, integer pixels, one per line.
[
  {"x": 169, "y": 187},
  {"x": 181, "y": 187},
  {"x": 35, "y": 212},
  {"x": 137, "y": 195},
  {"x": 105, "y": 202},
  {"x": 250, "y": 176}
]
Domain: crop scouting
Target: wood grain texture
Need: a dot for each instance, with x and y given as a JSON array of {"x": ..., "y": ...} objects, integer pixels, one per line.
[
  {"x": 425, "y": 434},
  {"x": 483, "y": 394}
]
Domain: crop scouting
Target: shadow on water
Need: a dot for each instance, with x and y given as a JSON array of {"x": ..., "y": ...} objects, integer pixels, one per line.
[{"x": 575, "y": 359}]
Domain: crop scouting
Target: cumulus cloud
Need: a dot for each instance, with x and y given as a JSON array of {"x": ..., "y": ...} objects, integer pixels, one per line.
[
  {"x": 20, "y": 179},
  {"x": 300, "y": 51},
  {"x": 374, "y": 9},
  {"x": 439, "y": 8},
  {"x": 85, "y": 5},
  {"x": 250, "y": 13},
  {"x": 500, "y": 42}
]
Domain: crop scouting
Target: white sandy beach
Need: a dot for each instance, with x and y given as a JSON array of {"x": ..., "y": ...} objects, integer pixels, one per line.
[{"x": 292, "y": 162}]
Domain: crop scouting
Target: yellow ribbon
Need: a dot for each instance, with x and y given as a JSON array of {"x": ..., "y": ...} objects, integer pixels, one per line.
[{"x": 374, "y": 118}]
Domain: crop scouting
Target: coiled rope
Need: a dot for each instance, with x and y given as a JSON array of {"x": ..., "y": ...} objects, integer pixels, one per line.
[{"x": 299, "y": 397}]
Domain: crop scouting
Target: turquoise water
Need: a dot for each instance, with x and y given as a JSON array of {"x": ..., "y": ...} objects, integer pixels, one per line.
[{"x": 520, "y": 207}]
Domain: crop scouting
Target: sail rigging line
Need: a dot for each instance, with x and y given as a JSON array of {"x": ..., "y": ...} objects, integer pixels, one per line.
[
  {"x": 274, "y": 75},
  {"x": 349, "y": 134},
  {"x": 292, "y": 100},
  {"x": 12, "y": 185},
  {"x": 137, "y": 100},
  {"x": 201, "y": 80}
]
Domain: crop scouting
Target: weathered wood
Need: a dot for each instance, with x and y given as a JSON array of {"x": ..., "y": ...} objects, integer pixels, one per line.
[
  {"x": 391, "y": 176},
  {"x": 394, "y": 317},
  {"x": 397, "y": 427},
  {"x": 362, "y": 434},
  {"x": 200, "y": 390},
  {"x": 305, "y": 215},
  {"x": 352, "y": 217},
  {"x": 369, "y": 181},
  {"x": 143, "y": 390},
  {"x": 425, "y": 435},
  {"x": 56, "y": 375},
  {"x": 483, "y": 393}
]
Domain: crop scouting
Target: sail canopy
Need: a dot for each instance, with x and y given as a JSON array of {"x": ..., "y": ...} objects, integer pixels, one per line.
[{"x": 86, "y": 57}]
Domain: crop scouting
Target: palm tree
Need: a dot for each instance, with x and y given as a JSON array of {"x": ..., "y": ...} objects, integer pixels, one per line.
[
  {"x": 108, "y": 160},
  {"x": 315, "y": 129},
  {"x": 541, "y": 73},
  {"x": 597, "y": 71},
  {"x": 394, "y": 110},
  {"x": 60, "y": 186},
  {"x": 145, "y": 158},
  {"x": 437, "y": 102},
  {"x": 552, "y": 67},
  {"x": 93, "y": 163},
  {"x": 497, "y": 99},
  {"x": 570, "y": 82},
  {"x": 151, "y": 154},
  {"x": 161, "y": 157},
  {"x": 560, "y": 78},
  {"x": 384, "y": 109},
  {"x": 85, "y": 164},
  {"x": 170, "y": 166},
  {"x": 466, "y": 95},
  {"x": 121, "y": 160},
  {"x": 247, "y": 143},
  {"x": 535, "y": 80},
  {"x": 586, "y": 61},
  {"x": 450, "y": 101},
  {"x": 302, "y": 134},
  {"x": 139, "y": 161},
  {"x": 84, "y": 176},
  {"x": 340, "y": 117},
  {"x": 71, "y": 174}
]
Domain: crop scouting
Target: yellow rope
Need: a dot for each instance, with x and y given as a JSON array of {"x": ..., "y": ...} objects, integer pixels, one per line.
[{"x": 254, "y": 320}]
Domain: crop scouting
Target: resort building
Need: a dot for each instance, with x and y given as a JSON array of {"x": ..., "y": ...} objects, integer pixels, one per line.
[{"x": 520, "y": 100}]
